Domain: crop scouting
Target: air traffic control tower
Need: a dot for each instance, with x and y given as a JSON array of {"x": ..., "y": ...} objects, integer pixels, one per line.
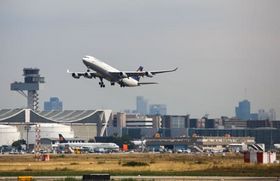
[{"x": 32, "y": 79}]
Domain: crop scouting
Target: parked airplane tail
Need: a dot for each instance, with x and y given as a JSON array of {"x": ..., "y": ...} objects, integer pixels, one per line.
[
  {"x": 61, "y": 139},
  {"x": 140, "y": 69}
]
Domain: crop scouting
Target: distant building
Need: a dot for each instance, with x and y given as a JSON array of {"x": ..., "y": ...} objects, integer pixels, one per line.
[
  {"x": 122, "y": 120},
  {"x": 235, "y": 123},
  {"x": 254, "y": 116},
  {"x": 138, "y": 121},
  {"x": 259, "y": 124},
  {"x": 141, "y": 105},
  {"x": 158, "y": 109},
  {"x": 53, "y": 105},
  {"x": 85, "y": 124},
  {"x": 131, "y": 124},
  {"x": 175, "y": 121},
  {"x": 263, "y": 115},
  {"x": 243, "y": 111},
  {"x": 272, "y": 114}
]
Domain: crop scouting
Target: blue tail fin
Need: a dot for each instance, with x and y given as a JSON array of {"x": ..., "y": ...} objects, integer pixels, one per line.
[
  {"x": 62, "y": 139},
  {"x": 138, "y": 70}
]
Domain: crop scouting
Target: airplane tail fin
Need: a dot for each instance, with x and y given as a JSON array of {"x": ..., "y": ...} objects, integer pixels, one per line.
[
  {"x": 61, "y": 139},
  {"x": 138, "y": 70}
]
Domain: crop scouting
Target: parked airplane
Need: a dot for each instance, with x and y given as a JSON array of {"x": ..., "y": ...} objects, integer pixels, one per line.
[
  {"x": 92, "y": 146},
  {"x": 105, "y": 71},
  {"x": 277, "y": 146}
]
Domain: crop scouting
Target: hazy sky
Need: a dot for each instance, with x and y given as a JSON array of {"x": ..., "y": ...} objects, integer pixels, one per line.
[{"x": 222, "y": 48}]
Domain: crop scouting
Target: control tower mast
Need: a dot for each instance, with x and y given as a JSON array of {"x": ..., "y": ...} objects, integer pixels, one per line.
[{"x": 31, "y": 82}]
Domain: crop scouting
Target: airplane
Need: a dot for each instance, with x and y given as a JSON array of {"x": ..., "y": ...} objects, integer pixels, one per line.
[
  {"x": 277, "y": 146},
  {"x": 111, "y": 74},
  {"x": 92, "y": 146}
]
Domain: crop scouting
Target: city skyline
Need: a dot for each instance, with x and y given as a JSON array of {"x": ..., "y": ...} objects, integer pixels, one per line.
[{"x": 222, "y": 48}]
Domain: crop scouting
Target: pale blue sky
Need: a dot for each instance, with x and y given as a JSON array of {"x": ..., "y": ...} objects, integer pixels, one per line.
[{"x": 221, "y": 47}]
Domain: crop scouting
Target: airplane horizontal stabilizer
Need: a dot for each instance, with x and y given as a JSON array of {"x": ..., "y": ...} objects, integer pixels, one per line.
[{"x": 147, "y": 83}]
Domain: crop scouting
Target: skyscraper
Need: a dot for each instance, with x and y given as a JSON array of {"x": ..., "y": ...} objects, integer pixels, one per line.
[
  {"x": 243, "y": 111},
  {"x": 272, "y": 114},
  {"x": 141, "y": 105},
  {"x": 53, "y": 105},
  {"x": 263, "y": 115},
  {"x": 158, "y": 109}
]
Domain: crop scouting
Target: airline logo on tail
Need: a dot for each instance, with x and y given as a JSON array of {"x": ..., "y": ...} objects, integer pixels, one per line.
[
  {"x": 140, "y": 69},
  {"x": 61, "y": 139}
]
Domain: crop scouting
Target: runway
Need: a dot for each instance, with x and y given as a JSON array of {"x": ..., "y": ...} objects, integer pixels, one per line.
[{"x": 156, "y": 178}]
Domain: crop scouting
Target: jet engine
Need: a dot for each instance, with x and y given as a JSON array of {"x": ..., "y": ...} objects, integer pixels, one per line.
[
  {"x": 88, "y": 75},
  {"x": 75, "y": 75},
  {"x": 148, "y": 74}
]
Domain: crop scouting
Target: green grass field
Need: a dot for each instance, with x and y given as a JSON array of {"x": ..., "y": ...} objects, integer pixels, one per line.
[{"x": 136, "y": 164}]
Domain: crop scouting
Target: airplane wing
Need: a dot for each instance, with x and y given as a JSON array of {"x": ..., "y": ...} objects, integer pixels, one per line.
[
  {"x": 89, "y": 75},
  {"x": 163, "y": 71},
  {"x": 143, "y": 73}
]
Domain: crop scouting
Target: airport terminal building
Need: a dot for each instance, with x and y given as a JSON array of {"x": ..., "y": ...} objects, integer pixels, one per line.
[
  {"x": 87, "y": 124},
  {"x": 82, "y": 124},
  {"x": 175, "y": 126}
]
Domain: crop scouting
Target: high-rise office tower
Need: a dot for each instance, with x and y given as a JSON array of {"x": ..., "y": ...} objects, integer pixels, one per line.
[
  {"x": 53, "y": 105},
  {"x": 272, "y": 115},
  {"x": 141, "y": 105},
  {"x": 243, "y": 111},
  {"x": 158, "y": 109}
]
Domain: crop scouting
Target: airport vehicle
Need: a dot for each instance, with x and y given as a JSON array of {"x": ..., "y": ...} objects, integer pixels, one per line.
[
  {"x": 107, "y": 147},
  {"x": 111, "y": 74}
]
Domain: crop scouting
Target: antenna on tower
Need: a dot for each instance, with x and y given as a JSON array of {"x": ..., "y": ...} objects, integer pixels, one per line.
[{"x": 32, "y": 79}]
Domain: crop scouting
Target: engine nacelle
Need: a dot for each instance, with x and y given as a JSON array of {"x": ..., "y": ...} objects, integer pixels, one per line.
[
  {"x": 75, "y": 75},
  {"x": 148, "y": 74},
  {"x": 123, "y": 75},
  {"x": 88, "y": 75}
]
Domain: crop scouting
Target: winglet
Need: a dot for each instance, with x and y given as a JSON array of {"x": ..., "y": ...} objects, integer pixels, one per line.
[{"x": 175, "y": 69}]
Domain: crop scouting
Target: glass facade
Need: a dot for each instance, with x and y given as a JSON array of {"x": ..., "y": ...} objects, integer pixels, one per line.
[
  {"x": 158, "y": 109},
  {"x": 141, "y": 105},
  {"x": 243, "y": 111},
  {"x": 177, "y": 122},
  {"x": 53, "y": 105},
  {"x": 268, "y": 136}
]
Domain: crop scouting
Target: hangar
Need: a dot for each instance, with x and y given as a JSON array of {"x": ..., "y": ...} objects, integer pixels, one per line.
[{"x": 86, "y": 124}]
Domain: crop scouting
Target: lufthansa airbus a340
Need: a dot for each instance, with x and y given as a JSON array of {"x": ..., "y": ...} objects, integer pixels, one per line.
[{"x": 101, "y": 70}]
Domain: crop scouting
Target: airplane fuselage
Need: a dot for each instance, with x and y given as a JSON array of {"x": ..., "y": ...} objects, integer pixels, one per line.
[
  {"x": 109, "y": 146},
  {"x": 105, "y": 70}
]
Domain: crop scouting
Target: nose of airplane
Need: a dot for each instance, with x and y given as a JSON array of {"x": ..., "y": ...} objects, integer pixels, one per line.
[{"x": 86, "y": 59}]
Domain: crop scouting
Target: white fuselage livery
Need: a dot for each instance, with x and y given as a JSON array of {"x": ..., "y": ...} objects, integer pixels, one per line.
[
  {"x": 111, "y": 74},
  {"x": 107, "y": 146},
  {"x": 105, "y": 71}
]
